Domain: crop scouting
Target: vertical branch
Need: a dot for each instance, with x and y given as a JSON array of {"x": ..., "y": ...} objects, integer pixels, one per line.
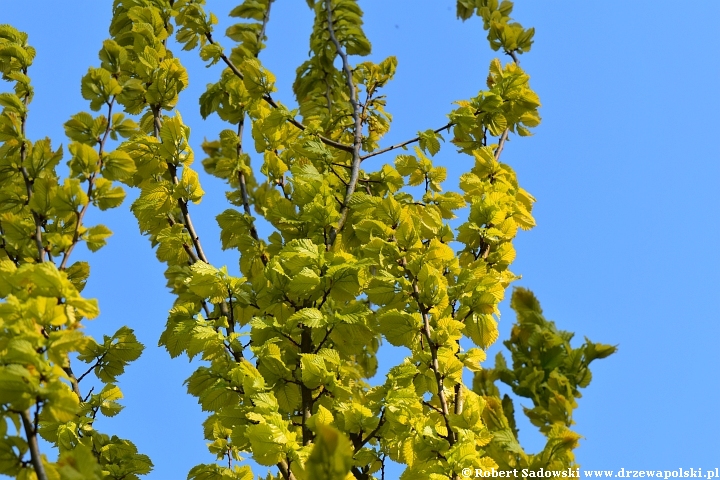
[
  {"x": 357, "y": 118},
  {"x": 504, "y": 136},
  {"x": 31, "y": 433},
  {"x": 182, "y": 203},
  {"x": 501, "y": 144},
  {"x": 28, "y": 424},
  {"x": 91, "y": 185},
  {"x": 434, "y": 364},
  {"x": 26, "y": 178},
  {"x": 307, "y": 400},
  {"x": 265, "y": 20},
  {"x": 241, "y": 124},
  {"x": 187, "y": 221},
  {"x": 243, "y": 182},
  {"x": 74, "y": 382},
  {"x": 284, "y": 468}
]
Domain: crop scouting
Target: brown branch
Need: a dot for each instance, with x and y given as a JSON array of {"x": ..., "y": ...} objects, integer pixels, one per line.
[
  {"x": 187, "y": 221},
  {"x": 361, "y": 443},
  {"x": 501, "y": 144},
  {"x": 459, "y": 399},
  {"x": 357, "y": 140},
  {"x": 284, "y": 468},
  {"x": 28, "y": 182},
  {"x": 182, "y": 203},
  {"x": 322, "y": 342},
  {"x": 36, "y": 216},
  {"x": 435, "y": 364},
  {"x": 402, "y": 144},
  {"x": 306, "y": 392},
  {"x": 91, "y": 184},
  {"x": 33, "y": 446},
  {"x": 269, "y": 100},
  {"x": 243, "y": 188},
  {"x": 4, "y": 246},
  {"x": 74, "y": 381},
  {"x": 265, "y": 20},
  {"x": 504, "y": 136}
]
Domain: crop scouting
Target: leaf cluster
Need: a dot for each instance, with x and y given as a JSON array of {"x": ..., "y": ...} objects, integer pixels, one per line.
[{"x": 356, "y": 255}]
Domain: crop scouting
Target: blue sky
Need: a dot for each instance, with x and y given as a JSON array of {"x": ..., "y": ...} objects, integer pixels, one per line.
[{"x": 625, "y": 168}]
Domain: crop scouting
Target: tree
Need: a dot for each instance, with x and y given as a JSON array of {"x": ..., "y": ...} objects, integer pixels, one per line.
[{"x": 354, "y": 258}]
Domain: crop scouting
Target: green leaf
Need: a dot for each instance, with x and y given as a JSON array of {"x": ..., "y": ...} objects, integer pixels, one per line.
[
  {"x": 268, "y": 443},
  {"x": 311, "y": 317},
  {"x": 429, "y": 141},
  {"x": 400, "y": 328},
  {"x": 304, "y": 282},
  {"x": 332, "y": 455},
  {"x": 96, "y": 236},
  {"x": 118, "y": 165},
  {"x": 314, "y": 370},
  {"x": 482, "y": 329}
]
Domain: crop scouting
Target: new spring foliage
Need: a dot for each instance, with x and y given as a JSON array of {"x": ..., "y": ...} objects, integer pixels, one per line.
[{"x": 354, "y": 253}]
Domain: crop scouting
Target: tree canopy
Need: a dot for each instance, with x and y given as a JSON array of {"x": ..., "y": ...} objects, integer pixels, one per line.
[{"x": 334, "y": 259}]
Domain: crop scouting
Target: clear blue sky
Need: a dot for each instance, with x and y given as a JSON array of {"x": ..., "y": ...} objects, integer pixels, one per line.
[{"x": 625, "y": 168}]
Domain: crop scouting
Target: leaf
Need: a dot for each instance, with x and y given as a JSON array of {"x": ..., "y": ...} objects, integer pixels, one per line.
[
  {"x": 118, "y": 165},
  {"x": 400, "y": 328},
  {"x": 482, "y": 329},
  {"x": 311, "y": 317},
  {"x": 332, "y": 455},
  {"x": 95, "y": 237},
  {"x": 17, "y": 386},
  {"x": 314, "y": 371},
  {"x": 429, "y": 141},
  {"x": 85, "y": 160},
  {"x": 304, "y": 282},
  {"x": 189, "y": 186},
  {"x": 268, "y": 443}
]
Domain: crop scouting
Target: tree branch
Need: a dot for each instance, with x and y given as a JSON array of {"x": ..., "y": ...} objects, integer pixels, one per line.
[
  {"x": 91, "y": 184},
  {"x": 501, "y": 144},
  {"x": 361, "y": 443},
  {"x": 265, "y": 20},
  {"x": 28, "y": 182},
  {"x": 284, "y": 468},
  {"x": 402, "y": 144},
  {"x": 74, "y": 381},
  {"x": 306, "y": 392},
  {"x": 269, "y": 100},
  {"x": 434, "y": 364},
  {"x": 243, "y": 186},
  {"x": 187, "y": 221},
  {"x": 32, "y": 441},
  {"x": 357, "y": 118}
]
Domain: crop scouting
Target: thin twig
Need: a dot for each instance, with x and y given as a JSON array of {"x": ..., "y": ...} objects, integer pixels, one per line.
[
  {"x": 243, "y": 188},
  {"x": 187, "y": 221},
  {"x": 504, "y": 137},
  {"x": 357, "y": 118},
  {"x": 28, "y": 182},
  {"x": 269, "y": 100},
  {"x": 434, "y": 364},
  {"x": 513, "y": 56},
  {"x": 74, "y": 382},
  {"x": 91, "y": 184},
  {"x": 362, "y": 442},
  {"x": 402, "y": 144},
  {"x": 265, "y": 20}
]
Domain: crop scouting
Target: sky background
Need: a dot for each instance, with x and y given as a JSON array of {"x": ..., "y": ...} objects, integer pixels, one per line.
[{"x": 625, "y": 169}]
